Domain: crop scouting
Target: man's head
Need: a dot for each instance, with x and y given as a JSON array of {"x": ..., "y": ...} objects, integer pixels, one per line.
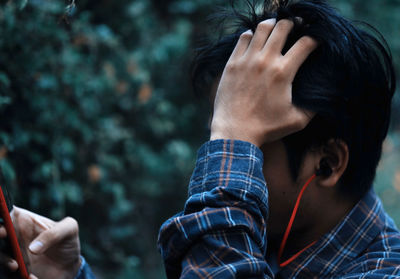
[{"x": 348, "y": 82}]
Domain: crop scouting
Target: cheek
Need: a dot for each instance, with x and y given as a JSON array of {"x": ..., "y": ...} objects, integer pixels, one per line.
[
  {"x": 282, "y": 197},
  {"x": 281, "y": 187}
]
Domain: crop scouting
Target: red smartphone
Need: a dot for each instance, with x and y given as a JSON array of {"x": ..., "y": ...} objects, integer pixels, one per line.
[{"x": 11, "y": 235}]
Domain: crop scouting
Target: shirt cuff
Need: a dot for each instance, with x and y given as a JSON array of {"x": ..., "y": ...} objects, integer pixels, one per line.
[
  {"x": 232, "y": 165},
  {"x": 84, "y": 271}
]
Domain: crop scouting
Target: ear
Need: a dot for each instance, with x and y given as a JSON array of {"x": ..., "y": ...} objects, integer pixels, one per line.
[{"x": 335, "y": 153}]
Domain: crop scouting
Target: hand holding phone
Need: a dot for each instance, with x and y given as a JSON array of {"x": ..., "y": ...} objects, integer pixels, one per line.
[{"x": 51, "y": 249}]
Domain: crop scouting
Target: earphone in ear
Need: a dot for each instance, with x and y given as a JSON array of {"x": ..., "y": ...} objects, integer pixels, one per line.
[{"x": 324, "y": 168}]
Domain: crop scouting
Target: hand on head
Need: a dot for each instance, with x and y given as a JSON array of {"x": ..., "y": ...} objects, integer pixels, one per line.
[{"x": 254, "y": 97}]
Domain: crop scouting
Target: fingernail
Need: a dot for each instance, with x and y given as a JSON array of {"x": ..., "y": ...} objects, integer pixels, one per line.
[
  {"x": 36, "y": 246},
  {"x": 13, "y": 265},
  {"x": 249, "y": 32}
]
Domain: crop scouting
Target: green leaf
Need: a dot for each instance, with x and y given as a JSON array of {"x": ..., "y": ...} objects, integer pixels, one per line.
[
  {"x": 7, "y": 170},
  {"x": 23, "y": 4},
  {"x": 5, "y": 100},
  {"x": 4, "y": 79}
]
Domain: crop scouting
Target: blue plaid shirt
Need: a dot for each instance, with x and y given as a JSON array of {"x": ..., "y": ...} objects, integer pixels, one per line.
[{"x": 222, "y": 232}]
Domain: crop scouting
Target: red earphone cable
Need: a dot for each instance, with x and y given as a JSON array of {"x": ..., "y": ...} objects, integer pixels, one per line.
[
  {"x": 5, "y": 214},
  {"x": 289, "y": 227}
]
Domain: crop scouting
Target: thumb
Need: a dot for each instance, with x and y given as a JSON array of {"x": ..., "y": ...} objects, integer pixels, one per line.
[{"x": 64, "y": 229}]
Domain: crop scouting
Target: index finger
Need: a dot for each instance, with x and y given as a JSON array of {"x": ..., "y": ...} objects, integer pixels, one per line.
[
  {"x": 298, "y": 53},
  {"x": 41, "y": 221}
]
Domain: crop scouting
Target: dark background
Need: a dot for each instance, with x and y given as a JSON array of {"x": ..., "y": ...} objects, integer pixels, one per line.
[{"x": 98, "y": 121}]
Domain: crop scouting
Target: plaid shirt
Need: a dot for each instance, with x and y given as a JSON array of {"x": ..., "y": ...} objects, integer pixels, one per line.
[{"x": 222, "y": 232}]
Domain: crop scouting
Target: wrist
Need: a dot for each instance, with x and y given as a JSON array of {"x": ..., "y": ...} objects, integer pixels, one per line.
[
  {"x": 77, "y": 267},
  {"x": 242, "y": 137},
  {"x": 73, "y": 271},
  {"x": 81, "y": 266},
  {"x": 234, "y": 134}
]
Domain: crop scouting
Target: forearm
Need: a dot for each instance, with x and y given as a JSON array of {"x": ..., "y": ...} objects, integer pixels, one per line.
[{"x": 222, "y": 231}]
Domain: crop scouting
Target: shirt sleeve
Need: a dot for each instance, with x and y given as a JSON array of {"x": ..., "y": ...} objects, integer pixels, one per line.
[
  {"x": 376, "y": 264},
  {"x": 222, "y": 231},
  {"x": 84, "y": 271},
  {"x": 375, "y": 268}
]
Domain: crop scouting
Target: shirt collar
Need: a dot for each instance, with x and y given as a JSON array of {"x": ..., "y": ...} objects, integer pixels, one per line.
[{"x": 346, "y": 241}]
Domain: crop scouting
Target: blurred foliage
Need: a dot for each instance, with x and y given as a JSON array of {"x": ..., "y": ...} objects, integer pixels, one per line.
[{"x": 97, "y": 119}]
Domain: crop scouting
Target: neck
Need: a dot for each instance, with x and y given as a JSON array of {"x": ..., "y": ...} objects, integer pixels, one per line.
[{"x": 319, "y": 220}]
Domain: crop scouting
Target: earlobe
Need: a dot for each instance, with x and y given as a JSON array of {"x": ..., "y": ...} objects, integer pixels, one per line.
[{"x": 333, "y": 164}]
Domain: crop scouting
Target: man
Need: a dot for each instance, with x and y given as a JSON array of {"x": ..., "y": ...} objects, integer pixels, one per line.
[{"x": 303, "y": 100}]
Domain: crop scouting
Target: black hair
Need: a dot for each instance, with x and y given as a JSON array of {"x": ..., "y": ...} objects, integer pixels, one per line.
[{"x": 349, "y": 81}]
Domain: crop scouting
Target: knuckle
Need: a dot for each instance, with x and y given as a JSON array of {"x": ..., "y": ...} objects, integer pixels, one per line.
[
  {"x": 73, "y": 223},
  {"x": 299, "y": 122},
  {"x": 259, "y": 64},
  {"x": 246, "y": 36},
  {"x": 265, "y": 26},
  {"x": 278, "y": 71},
  {"x": 285, "y": 24},
  {"x": 16, "y": 213},
  {"x": 231, "y": 66}
]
